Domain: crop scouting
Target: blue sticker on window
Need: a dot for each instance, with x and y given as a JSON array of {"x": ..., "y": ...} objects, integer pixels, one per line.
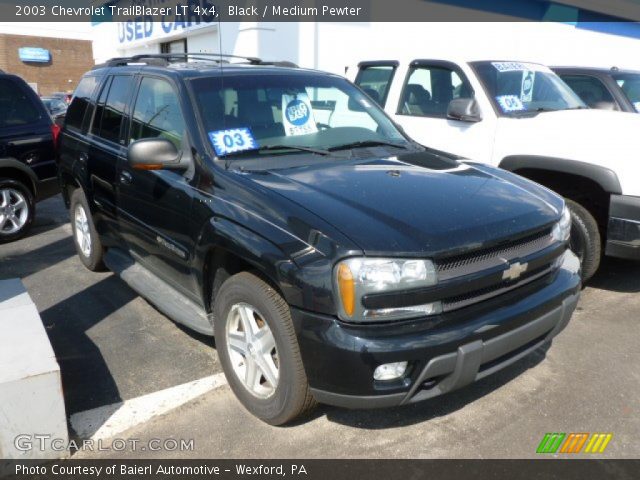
[
  {"x": 232, "y": 140},
  {"x": 510, "y": 103}
]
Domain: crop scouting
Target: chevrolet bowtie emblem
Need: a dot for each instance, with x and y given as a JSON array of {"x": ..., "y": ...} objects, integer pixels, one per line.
[{"x": 514, "y": 271}]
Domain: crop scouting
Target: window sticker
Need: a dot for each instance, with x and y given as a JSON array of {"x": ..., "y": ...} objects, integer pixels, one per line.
[
  {"x": 510, "y": 103},
  {"x": 508, "y": 66},
  {"x": 528, "y": 79},
  {"x": 298, "y": 115},
  {"x": 232, "y": 140}
]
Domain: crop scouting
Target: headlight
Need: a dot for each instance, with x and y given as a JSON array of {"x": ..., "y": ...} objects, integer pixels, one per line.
[
  {"x": 562, "y": 229},
  {"x": 356, "y": 277}
]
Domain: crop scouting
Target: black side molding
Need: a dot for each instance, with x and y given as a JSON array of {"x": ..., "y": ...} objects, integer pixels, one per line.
[{"x": 604, "y": 177}]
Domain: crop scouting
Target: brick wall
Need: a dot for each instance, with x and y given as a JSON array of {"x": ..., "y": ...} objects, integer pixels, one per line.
[{"x": 70, "y": 59}]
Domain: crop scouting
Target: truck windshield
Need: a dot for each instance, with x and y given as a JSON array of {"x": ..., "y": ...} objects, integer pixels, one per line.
[
  {"x": 630, "y": 85},
  {"x": 518, "y": 88},
  {"x": 279, "y": 114}
]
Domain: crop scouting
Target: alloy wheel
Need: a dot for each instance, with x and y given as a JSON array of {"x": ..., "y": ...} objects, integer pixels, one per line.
[
  {"x": 14, "y": 211},
  {"x": 83, "y": 235}
]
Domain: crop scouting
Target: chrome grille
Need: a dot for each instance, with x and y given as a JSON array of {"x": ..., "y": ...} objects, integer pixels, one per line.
[{"x": 477, "y": 261}]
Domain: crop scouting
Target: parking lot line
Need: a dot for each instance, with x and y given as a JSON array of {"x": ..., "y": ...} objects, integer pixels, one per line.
[{"x": 110, "y": 420}]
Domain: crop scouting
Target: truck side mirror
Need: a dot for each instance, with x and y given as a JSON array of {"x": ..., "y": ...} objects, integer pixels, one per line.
[
  {"x": 464, "y": 109},
  {"x": 154, "y": 154}
]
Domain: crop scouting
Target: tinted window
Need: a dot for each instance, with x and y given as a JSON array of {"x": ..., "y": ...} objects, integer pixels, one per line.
[
  {"x": 110, "y": 112},
  {"x": 430, "y": 89},
  {"x": 80, "y": 102},
  {"x": 630, "y": 85},
  {"x": 376, "y": 81},
  {"x": 157, "y": 112},
  {"x": 16, "y": 107},
  {"x": 590, "y": 89}
]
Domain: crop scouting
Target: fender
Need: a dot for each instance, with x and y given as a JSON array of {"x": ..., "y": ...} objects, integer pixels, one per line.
[
  {"x": 251, "y": 247},
  {"x": 9, "y": 162},
  {"x": 603, "y": 176}
]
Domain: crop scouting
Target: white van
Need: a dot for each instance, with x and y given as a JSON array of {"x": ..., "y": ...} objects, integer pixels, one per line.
[{"x": 522, "y": 117}]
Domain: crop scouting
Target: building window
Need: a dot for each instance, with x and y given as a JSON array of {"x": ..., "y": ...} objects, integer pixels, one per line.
[{"x": 177, "y": 46}]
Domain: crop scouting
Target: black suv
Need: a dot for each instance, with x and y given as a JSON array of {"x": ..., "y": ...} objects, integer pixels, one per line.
[
  {"x": 336, "y": 260},
  {"x": 27, "y": 156},
  {"x": 604, "y": 88}
]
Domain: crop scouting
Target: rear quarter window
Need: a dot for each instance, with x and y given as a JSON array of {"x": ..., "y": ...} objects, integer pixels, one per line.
[
  {"x": 80, "y": 103},
  {"x": 17, "y": 106}
]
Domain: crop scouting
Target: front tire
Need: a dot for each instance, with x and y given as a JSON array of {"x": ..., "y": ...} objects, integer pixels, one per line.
[
  {"x": 17, "y": 209},
  {"x": 585, "y": 239},
  {"x": 85, "y": 236},
  {"x": 259, "y": 351}
]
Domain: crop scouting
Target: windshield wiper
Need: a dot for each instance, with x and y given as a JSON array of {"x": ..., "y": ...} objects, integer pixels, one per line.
[
  {"x": 367, "y": 143},
  {"x": 266, "y": 148}
]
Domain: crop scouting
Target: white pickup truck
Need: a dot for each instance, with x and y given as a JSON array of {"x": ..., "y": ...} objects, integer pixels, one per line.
[{"x": 524, "y": 118}]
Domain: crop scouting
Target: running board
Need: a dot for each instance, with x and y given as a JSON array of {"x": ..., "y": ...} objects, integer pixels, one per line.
[{"x": 156, "y": 291}]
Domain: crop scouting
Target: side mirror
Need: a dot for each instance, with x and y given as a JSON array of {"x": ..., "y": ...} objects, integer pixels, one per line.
[
  {"x": 464, "y": 109},
  {"x": 154, "y": 154}
]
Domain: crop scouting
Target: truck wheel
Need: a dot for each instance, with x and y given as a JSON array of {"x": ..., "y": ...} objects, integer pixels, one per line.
[
  {"x": 85, "y": 237},
  {"x": 585, "y": 239},
  {"x": 258, "y": 350},
  {"x": 17, "y": 209}
]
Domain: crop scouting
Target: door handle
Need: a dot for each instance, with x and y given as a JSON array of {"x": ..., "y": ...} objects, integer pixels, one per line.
[
  {"x": 83, "y": 157},
  {"x": 125, "y": 177}
]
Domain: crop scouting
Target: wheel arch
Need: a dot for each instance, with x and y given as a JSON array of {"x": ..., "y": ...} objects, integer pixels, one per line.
[
  {"x": 12, "y": 168},
  {"x": 587, "y": 184}
]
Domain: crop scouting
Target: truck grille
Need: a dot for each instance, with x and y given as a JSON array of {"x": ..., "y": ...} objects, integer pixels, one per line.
[{"x": 484, "y": 259}]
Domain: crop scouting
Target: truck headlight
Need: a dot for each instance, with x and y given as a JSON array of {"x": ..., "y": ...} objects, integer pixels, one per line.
[
  {"x": 562, "y": 229},
  {"x": 357, "y": 277}
]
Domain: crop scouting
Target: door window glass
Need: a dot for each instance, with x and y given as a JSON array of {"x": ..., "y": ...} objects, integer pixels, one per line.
[
  {"x": 591, "y": 90},
  {"x": 110, "y": 112},
  {"x": 375, "y": 81},
  {"x": 157, "y": 112}
]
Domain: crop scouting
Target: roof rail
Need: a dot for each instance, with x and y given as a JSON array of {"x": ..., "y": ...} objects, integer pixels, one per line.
[{"x": 164, "y": 59}]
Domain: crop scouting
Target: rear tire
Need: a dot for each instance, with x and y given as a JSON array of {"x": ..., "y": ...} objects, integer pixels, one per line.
[
  {"x": 17, "y": 210},
  {"x": 263, "y": 368},
  {"x": 585, "y": 239},
  {"x": 85, "y": 236}
]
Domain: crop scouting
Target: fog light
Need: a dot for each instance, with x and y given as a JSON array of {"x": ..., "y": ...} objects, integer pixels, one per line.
[{"x": 390, "y": 371}]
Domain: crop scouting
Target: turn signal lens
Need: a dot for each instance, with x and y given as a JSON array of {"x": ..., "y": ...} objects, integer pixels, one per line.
[{"x": 347, "y": 289}]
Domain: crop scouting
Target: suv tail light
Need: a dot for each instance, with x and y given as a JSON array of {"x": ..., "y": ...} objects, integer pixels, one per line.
[{"x": 55, "y": 131}]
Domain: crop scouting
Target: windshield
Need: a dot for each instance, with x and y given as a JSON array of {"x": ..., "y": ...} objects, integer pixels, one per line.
[
  {"x": 630, "y": 85},
  {"x": 277, "y": 114},
  {"x": 518, "y": 88}
]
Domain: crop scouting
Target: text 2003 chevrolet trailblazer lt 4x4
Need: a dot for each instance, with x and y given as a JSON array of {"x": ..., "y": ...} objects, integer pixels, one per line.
[{"x": 336, "y": 260}]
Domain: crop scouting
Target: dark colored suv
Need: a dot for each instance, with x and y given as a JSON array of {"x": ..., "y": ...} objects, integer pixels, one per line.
[
  {"x": 604, "y": 88},
  {"x": 27, "y": 156},
  {"x": 336, "y": 260}
]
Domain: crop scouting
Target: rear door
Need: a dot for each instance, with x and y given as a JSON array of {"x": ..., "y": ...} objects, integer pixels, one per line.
[
  {"x": 106, "y": 148},
  {"x": 154, "y": 205},
  {"x": 25, "y": 128}
]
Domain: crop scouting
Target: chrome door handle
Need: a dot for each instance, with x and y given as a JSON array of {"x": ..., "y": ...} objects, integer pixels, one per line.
[
  {"x": 125, "y": 177},
  {"x": 83, "y": 157}
]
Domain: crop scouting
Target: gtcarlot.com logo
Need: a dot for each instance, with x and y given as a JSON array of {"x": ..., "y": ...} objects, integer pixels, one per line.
[{"x": 574, "y": 443}]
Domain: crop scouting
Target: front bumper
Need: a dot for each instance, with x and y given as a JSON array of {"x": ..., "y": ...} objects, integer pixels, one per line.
[
  {"x": 623, "y": 233},
  {"x": 444, "y": 353}
]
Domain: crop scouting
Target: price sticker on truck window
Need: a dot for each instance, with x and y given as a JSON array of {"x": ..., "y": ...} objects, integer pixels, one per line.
[
  {"x": 297, "y": 115},
  {"x": 232, "y": 140},
  {"x": 510, "y": 103}
]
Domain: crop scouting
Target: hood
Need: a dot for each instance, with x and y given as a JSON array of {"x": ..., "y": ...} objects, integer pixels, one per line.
[
  {"x": 418, "y": 203},
  {"x": 600, "y": 137}
]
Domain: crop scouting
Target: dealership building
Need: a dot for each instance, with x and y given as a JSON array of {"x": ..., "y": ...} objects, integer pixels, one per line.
[
  {"x": 51, "y": 59},
  {"x": 518, "y": 30}
]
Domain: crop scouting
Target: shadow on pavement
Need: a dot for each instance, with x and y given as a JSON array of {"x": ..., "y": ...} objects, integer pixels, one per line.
[
  {"x": 617, "y": 275},
  {"x": 86, "y": 378},
  {"x": 26, "y": 263},
  {"x": 434, "y": 407}
]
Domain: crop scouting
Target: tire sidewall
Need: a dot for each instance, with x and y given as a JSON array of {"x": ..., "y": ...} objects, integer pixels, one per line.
[
  {"x": 231, "y": 293},
  {"x": 31, "y": 204},
  {"x": 94, "y": 260},
  {"x": 584, "y": 225}
]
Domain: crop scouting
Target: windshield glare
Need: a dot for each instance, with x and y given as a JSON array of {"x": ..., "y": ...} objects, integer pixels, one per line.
[
  {"x": 243, "y": 113},
  {"x": 630, "y": 85},
  {"x": 518, "y": 88}
]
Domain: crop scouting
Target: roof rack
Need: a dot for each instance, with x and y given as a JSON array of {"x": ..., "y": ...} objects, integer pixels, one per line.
[{"x": 164, "y": 59}]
